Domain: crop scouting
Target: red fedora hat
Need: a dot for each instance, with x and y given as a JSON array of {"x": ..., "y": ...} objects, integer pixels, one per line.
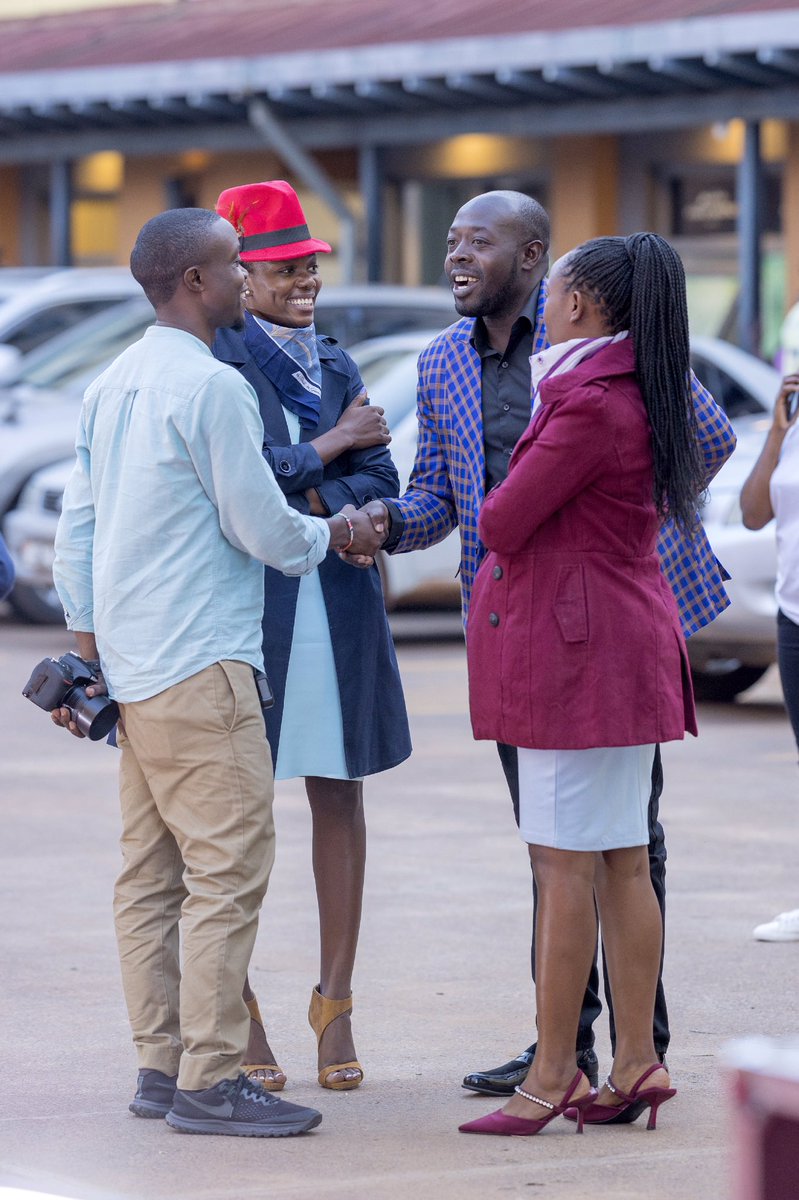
[{"x": 269, "y": 220}]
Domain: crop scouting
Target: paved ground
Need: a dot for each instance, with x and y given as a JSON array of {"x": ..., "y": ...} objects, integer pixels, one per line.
[{"x": 441, "y": 986}]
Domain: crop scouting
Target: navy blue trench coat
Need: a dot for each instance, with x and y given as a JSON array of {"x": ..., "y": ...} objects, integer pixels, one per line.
[{"x": 376, "y": 734}]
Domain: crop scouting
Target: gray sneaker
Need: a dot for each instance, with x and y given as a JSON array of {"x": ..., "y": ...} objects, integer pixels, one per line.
[
  {"x": 155, "y": 1093},
  {"x": 239, "y": 1108}
]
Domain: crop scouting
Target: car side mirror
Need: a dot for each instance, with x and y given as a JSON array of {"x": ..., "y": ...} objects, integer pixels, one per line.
[{"x": 10, "y": 363}]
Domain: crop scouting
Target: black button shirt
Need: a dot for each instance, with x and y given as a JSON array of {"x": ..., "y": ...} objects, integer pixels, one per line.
[
  {"x": 506, "y": 388},
  {"x": 506, "y": 402}
]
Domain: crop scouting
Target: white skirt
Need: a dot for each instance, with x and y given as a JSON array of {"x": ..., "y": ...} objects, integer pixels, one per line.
[{"x": 594, "y": 799}]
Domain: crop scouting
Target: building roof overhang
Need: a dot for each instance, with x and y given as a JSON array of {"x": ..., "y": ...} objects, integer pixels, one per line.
[{"x": 604, "y": 79}]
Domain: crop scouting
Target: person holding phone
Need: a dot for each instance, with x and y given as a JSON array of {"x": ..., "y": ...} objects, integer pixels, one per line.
[{"x": 772, "y": 492}]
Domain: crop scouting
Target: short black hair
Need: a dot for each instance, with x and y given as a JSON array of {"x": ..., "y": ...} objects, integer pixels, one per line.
[{"x": 167, "y": 246}]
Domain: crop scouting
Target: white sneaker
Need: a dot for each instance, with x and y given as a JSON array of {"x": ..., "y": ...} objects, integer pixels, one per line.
[{"x": 784, "y": 928}]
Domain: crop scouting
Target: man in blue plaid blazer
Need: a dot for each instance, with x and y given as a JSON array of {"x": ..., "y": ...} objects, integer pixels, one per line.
[{"x": 474, "y": 400}]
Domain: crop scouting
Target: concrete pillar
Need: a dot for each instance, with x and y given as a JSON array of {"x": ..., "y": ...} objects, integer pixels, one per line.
[
  {"x": 584, "y": 190},
  {"x": 790, "y": 215},
  {"x": 371, "y": 182},
  {"x": 10, "y": 225},
  {"x": 60, "y": 202},
  {"x": 750, "y": 238}
]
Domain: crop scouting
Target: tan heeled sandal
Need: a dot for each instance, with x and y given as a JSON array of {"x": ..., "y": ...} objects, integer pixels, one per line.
[
  {"x": 320, "y": 1014},
  {"x": 251, "y": 1069}
]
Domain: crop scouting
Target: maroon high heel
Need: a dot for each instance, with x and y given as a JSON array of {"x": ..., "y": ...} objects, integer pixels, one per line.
[
  {"x": 506, "y": 1125},
  {"x": 633, "y": 1104}
]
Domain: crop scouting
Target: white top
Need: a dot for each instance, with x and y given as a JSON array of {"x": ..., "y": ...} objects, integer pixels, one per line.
[{"x": 784, "y": 492}]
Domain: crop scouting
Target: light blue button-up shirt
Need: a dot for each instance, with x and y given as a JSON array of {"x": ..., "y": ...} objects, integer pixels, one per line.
[{"x": 168, "y": 508}]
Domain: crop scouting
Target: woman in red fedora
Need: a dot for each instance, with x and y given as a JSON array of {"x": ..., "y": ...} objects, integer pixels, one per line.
[{"x": 327, "y": 644}]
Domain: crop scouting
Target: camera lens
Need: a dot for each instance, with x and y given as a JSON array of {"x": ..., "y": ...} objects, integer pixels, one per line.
[{"x": 95, "y": 717}]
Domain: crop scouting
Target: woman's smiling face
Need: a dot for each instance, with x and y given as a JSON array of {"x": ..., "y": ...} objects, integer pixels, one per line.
[{"x": 284, "y": 292}]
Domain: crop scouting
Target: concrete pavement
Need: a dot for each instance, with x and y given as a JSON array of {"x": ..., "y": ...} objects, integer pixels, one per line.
[{"x": 442, "y": 983}]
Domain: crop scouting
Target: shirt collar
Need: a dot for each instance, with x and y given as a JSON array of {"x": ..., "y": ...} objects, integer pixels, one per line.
[{"x": 525, "y": 321}]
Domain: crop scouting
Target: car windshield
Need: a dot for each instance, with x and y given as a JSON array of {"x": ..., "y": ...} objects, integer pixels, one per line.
[
  {"x": 393, "y": 387},
  {"x": 71, "y": 361}
]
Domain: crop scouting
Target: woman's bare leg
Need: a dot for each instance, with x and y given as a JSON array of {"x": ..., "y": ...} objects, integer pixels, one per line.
[
  {"x": 565, "y": 941},
  {"x": 339, "y": 858},
  {"x": 632, "y": 933},
  {"x": 258, "y": 1050}
]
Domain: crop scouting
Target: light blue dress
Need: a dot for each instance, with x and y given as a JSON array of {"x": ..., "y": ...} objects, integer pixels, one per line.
[{"x": 312, "y": 729}]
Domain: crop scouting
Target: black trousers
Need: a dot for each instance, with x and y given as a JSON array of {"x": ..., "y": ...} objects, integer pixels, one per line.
[
  {"x": 592, "y": 1005},
  {"x": 788, "y": 659}
]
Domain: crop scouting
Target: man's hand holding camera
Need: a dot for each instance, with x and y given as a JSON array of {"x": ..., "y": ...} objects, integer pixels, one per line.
[{"x": 73, "y": 691}]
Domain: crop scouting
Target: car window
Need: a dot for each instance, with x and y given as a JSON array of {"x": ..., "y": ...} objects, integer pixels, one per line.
[
  {"x": 726, "y": 391},
  {"x": 73, "y": 361},
  {"x": 351, "y": 323},
  {"x": 38, "y": 328},
  {"x": 395, "y": 389},
  {"x": 378, "y": 367}
]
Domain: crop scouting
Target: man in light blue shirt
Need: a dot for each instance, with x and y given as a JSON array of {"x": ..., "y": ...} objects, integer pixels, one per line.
[{"x": 167, "y": 517}]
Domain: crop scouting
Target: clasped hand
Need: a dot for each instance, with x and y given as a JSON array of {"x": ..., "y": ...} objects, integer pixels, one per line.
[{"x": 373, "y": 524}]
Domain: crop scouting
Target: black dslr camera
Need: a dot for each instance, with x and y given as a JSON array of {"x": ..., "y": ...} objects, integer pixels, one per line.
[{"x": 61, "y": 683}]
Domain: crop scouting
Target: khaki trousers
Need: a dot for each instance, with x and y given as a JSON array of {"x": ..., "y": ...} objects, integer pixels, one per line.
[{"x": 196, "y": 791}]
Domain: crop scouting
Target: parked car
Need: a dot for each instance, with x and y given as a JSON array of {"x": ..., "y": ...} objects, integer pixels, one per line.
[
  {"x": 16, "y": 280},
  {"x": 734, "y": 651},
  {"x": 38, "y": 417},
  {"x": 727, "y": 656},
  {"x": 53, "y": 302},
  {"x": 38, "y": 410}
]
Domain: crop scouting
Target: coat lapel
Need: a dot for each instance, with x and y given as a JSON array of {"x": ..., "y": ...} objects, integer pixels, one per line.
[
  {"x": 334, "y": 394},
  {"x": 465, "y": 390}
]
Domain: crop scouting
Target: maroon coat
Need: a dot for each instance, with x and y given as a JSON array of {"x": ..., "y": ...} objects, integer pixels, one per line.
[{"x": 573, "y": 637}]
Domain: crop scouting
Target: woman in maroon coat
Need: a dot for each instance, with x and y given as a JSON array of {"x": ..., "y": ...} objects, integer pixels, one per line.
[{"x": 576, "y": 654}]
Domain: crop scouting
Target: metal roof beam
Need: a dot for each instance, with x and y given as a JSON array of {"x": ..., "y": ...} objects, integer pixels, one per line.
[
  {"x": 177, "y": 109},
  {"x": 341, "y": 97},
  {"x": 786, "y": 61},
  {"x": 61, "y": 116},
  {"x": 391, "y": 95},
  {"x": 136, "y": 110},
  {"x": 479, "y": 88},
  {"x": 89, "y": 111},
  {"x": 635, "y": 75},
  {"x": 264, "y": 123},
  {"x": 742, "y": 68},
  {"x": 530, "y": 83},
  {"x": 216, "y": 106},
  {"x": 626, "y": 115},
  {"x": 690, "y": 72},
  {"x": 292, "y": 98},
  {"x": 433, "y": 90},
  {"x": 583, "y": 82}
]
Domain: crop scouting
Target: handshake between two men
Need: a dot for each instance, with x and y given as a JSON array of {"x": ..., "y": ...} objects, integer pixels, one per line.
[{"x": 367, "y": 527}]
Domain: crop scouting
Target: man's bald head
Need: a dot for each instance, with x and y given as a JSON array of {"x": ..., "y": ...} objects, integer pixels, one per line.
[{"x": 530, "y": 218}]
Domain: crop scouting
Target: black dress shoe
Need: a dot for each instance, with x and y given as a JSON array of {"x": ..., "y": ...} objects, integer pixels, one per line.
[{"x": 500, "y": 1081}]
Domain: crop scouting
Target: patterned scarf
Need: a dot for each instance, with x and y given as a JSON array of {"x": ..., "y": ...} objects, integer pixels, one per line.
[
  {"x": 290, "y": 359},
  {"x": 565, "y": 356}
]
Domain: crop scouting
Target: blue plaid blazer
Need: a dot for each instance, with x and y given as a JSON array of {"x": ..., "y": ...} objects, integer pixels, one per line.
[{"x": 447, "y": 485}]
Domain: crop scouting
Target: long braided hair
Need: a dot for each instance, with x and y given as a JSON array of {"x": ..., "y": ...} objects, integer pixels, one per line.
[{"x": 639, "y": 284}]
